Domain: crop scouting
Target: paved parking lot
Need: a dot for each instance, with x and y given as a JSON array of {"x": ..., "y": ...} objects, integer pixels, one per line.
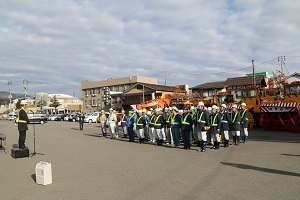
[{"x": 86, "y": 166}]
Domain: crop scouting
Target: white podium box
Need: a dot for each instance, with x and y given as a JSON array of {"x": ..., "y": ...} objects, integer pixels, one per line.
[{"x": 43, "y": 173}]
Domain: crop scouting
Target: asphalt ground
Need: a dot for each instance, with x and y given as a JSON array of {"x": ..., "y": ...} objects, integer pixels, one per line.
[{"x": 87, "y": 166}]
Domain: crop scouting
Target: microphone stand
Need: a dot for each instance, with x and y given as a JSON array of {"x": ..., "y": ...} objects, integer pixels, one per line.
[{"x": 34, "y": 152}]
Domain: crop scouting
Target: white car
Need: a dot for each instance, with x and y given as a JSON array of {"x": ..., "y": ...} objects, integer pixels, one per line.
[
  {"x": 92, "y": 118},
  {"x": 52, "y": 117}
]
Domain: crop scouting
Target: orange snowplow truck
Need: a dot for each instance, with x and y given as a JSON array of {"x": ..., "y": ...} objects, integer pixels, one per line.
[{"x": 155, "y": 103}]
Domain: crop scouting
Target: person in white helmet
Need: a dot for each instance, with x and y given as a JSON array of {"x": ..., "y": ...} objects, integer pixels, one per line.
[
  {"x": 235, "y": 119},
  {"x": 112, "y": 118},
  {"x": 244, "y": 122},
  {"x": 215, "y": 125},
  {"x": 169, "y": 138},
  {"x": 22, "y": 124},
  {"x": 140, "y": 125},
  {"x": 151, "y": 127},
  {"x": 175, "y": 127},
  {"x": 202, "y": 124},
  {"x": 158, "y": 123},
  {"x": 225, "y": 121}
]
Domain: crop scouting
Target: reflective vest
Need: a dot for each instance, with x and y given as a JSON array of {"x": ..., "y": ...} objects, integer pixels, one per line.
[
  {"x": 138, "y": 121},
  {"x": 172, "y": 120},
  {"x": 199, "y": 119},
  {"x": 233, "y": 120},
  {"x": 184, "y": 120},
  {"x": 213, "y": 120},
  {"x": 168, "y": 118},
  {"x": 155, "y": 123},
  {"x": 20, "y": 120},
  {"x": 244, "y": 114},
  {"x": 152, "y": 118}
]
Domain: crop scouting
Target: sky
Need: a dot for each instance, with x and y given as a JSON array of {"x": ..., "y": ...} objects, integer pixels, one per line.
[{"x": 55, "y": 45}]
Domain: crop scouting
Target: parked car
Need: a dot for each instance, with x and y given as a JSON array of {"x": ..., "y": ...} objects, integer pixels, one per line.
[
  {"x": 73, "y": 118},
  {"x": 66, "y": 118},
  {"x": 62, "y": 117},
  {"x": 52, "y": 117},
  {"x": 94, "y": 117},
  {"x": 12, "y": 116}
]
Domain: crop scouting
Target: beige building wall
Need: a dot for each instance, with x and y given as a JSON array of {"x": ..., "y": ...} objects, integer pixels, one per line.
[{"x": 93, "y": 92}]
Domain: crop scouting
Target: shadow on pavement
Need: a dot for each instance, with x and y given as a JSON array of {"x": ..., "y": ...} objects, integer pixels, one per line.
[
  {"x": 286, "y": 154},
  {"x": 94, "y": 135},
  {"x": 33, "y": 177},
  {"x": 267, "y": 170},
  {"x": 274, "y": 136}
]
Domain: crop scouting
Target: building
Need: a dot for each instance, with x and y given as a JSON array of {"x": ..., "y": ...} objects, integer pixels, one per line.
[
  {"x": 109, "y": 93},
  {"x": 293, "y": 77},
  {"x": 141, "y": 92},
  {"x": 207, "y": 90},
  {"x": 68, "y": 103}
]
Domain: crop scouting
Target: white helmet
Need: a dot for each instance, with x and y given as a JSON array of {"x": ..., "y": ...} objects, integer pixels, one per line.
[
  {"x": 209, "y": 108},
  {"x": 214, "y": 107},
  {"x": 243, "y": 104},
  {"x": 192, "y": 107},
  {"x": 24, "y": 102},
  {"x": 234, "y": 106},
  {"x": 200, "y": 103},
  {"x": 224, "y": 105}
]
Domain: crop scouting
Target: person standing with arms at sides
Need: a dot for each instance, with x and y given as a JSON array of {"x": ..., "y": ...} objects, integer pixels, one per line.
[
  {"x": 112, "y": 118},
  {"x": 225, "y": 121},
  {"x": 103, "y": 120},
  {"x": 202, "y": 125},
  {"x": 147, "y": 119},
  {"x": 175, "y": 127},
  {"x": 117, "y": 123},
  {"x": 130, "y": 124},
  {"x": 215, "y": 125},
  {"x": 158, "y": 122},
  {"x": 140, "y": 125},
  {"x": 186, "y": 127},
  {"x": 235, "y": 123},
  {"x": 244, "y": 122},
  {"x": 22, "y": 124},
  {"x": 168, "y": 131},
  {"x": 151, "y": 127},
  {"x": 81, "y": 121},
  {"x": 123, "y": 123}
]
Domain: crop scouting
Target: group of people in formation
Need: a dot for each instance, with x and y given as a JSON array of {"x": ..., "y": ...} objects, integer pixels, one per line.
[{"x": 200, "y": 124}]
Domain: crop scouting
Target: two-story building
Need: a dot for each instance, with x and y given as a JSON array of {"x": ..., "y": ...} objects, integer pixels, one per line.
[{"x": 109, "y": 93}]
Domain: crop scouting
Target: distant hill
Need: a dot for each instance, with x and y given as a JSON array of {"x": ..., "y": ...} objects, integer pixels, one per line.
[{"x": 4, "y": 95}]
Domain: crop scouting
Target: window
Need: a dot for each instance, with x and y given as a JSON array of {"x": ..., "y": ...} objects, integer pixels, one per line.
[
  {"x": 93, "y": 102},
  {"x": 99, "y": 102},
  {"x": 85, "y": 92},
  {"x": 211, "y": 93},
  {"x": 90, "y": 102},
  {"x": 85, "y": 102}
]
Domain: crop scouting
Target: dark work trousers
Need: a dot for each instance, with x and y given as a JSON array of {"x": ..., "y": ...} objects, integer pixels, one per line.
[
  {"x": 131, "y": 134},
  {"x": 22, "y": 138},
  {"x": 186, "y": 135},
  {"x": 81, "y": 124}
]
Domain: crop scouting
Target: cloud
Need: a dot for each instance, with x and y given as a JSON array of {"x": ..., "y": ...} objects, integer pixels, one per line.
[{"x": 57, "y": 44}]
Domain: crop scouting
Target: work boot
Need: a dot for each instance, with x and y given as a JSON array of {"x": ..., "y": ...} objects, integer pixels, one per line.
[
  {"x": 215, "y": 145},
  {"x": 227, "y": 143},
  {"x": 200, "y": 145},
  {"x": 203, "y": 147},
  {"x": 218, "y": 145},
  {"x": 246, "y": 138},
  {"x": 140, "y": 139},
  {"x": 157, "y": 142},
  {"x": 161, "y": 142},
  {"x": 238, "y": 140},
  {"x": 233, "y": 140}
]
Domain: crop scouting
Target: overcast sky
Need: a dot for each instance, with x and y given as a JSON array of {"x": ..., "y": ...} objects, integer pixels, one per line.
[{"x": 55, "y": 44}]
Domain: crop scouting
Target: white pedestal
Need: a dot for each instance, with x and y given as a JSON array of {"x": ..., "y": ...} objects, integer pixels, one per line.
[{"x": 43, "y": 173}]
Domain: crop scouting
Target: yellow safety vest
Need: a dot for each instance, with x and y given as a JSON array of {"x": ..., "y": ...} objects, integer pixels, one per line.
[
  {"x": 184, "y": 120},
  {"x": 138, "y": 120},
  {"x": 199, "y": 119},
  {"x": 213, "y": 122}
]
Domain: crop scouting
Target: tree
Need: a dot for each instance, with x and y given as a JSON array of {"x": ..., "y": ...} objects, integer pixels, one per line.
[
  {"x": 54, "y": 103},
  {"x": 41, "y": 103},
  {"x": 18, "y": 104}
]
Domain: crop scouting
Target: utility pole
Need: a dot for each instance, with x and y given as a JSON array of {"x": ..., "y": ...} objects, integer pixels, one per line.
[
  {"x": 281, "y": 59},
  {"x": 254, "y": 81},
  {"x": 25, "y": 83},
  {"x": 165, "y": 77},
  {"x": 9, "y": 83}
]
